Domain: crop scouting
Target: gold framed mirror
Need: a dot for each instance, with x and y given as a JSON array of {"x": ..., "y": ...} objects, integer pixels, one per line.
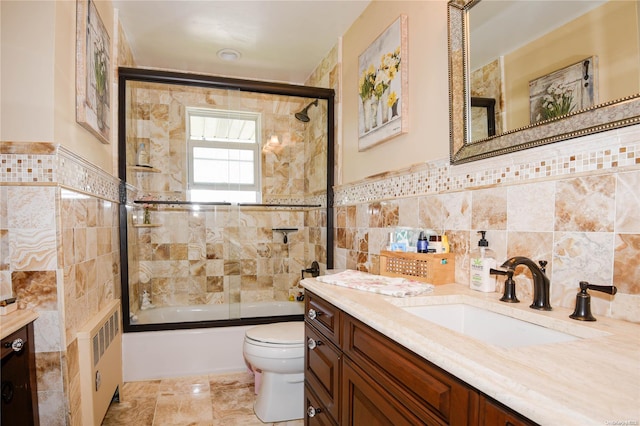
[{"x": 612, "y": 105}]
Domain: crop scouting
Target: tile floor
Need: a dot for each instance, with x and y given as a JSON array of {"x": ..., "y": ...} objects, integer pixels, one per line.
[{"x": 214, "y": 400}]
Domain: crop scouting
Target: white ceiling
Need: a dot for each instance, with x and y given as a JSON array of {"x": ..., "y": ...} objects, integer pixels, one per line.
[{"x": 278, "y": 40}]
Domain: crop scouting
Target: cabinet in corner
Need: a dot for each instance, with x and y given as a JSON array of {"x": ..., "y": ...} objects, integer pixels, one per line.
[
  {"x": 354, "y": 375},
  {"x": 19, "y": 389}
]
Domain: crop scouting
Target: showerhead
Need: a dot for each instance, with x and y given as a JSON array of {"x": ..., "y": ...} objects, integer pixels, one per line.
[{"x": 303, "y": 115}]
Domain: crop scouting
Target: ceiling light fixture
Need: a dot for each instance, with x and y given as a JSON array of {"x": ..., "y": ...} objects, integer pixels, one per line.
[{"x": 228, "y": 54}]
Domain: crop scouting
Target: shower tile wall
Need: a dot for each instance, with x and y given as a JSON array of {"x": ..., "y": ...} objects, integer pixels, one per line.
[
  {"x": 220, "y": 255},
  {"x": 224, "y": 254}
]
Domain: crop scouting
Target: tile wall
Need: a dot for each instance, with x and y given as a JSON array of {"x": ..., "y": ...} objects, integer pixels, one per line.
[
  {"x": 575, "y": 204},
  {"x": 59, "y": 256}
]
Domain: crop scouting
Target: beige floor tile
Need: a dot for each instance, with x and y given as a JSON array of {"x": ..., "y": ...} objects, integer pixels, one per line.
[
  {"x": 133, "y": 411},
  {"x": 195, "y": 385},
  {"x": 183, "y": 409},
  {"x": 213, "y": 400}
]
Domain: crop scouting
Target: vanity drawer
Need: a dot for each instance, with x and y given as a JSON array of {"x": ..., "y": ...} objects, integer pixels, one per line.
[
  {"x": 323, "y": 316},
  {"x": 315, "y": 413},
  {"x": 434, "y": 395},
  {"x": 322, "y": 370}
]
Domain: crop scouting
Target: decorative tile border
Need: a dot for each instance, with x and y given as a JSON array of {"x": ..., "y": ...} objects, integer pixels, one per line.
[
  {"x": 58, "y": 166},
  {"x": 591, "y": 154}
]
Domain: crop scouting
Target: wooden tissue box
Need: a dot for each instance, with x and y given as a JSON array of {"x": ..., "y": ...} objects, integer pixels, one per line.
[{"x": 432, "y": 268}]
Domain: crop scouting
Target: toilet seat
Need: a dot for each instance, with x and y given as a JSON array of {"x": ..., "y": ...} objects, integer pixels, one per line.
[{"x": 277, "y": 334}]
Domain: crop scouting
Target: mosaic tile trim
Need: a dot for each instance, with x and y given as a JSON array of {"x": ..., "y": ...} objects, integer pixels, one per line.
[
  {"x": 23, "y": 168},
  {"x": 618, "y": 149},
  {"x": 61, "y": 167}
]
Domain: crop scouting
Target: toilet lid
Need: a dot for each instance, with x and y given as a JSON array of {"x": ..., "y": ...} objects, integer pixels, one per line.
[{"x": 281, "y": 332}]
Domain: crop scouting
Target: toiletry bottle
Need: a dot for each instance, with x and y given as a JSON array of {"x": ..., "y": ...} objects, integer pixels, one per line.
[
  {"x": 435, "y": 242},
  {"x": 445, "y": 244},
  {"x": 422, "y": 245},
  {"x": 143, "y": 155},
  {"x": 482, "y": 260}
]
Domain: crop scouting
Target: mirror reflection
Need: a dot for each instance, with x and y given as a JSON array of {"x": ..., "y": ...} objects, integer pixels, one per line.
[{"x": 541, "y": 60}]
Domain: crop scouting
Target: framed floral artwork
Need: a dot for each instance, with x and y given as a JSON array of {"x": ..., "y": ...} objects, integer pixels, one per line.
[
  {"x": 382, "y": 86},
  {"x": 565, "y": 91},
  {"x": 93, "y": 65}
]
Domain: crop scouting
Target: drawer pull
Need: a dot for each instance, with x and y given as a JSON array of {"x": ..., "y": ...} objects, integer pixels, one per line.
[
  {"x": 311, "y": 411},
  {"x": 313, "y": 314},
  {"x": 312, "y": 344},
  {"x": 16, "y": 345}
]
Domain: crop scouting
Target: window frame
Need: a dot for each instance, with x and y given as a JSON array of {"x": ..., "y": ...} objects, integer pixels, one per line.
[{"x": 254, "y": 147}]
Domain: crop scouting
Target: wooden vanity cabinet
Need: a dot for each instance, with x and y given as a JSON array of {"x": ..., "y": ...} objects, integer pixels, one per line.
[
  {"x": 19, "y": 392},
  {"x": 354, "y": 375},
  {"x": 322, "y": 361},
  {"x": 495, "y": 414},
  {"x": 428, "y": 394}
]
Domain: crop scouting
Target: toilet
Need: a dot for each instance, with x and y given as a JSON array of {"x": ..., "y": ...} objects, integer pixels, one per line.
[{"x": 277, "y": 352}]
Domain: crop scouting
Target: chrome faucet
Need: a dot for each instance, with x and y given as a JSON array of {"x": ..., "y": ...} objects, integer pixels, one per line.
[{"x": 541, "y": 283}]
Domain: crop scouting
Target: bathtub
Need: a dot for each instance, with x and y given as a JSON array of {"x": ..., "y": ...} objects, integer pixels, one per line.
[
  {"x": 167, "y": 314},
  {"x": 151, "y": 355}
]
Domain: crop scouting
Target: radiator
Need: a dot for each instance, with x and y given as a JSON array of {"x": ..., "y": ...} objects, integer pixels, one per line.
[{"x": 100, "y": 362}]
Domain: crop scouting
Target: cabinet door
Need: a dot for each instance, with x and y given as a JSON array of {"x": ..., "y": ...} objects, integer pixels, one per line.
[
  {"x": 365, "y": 402},
  {"x": 493, "y": 414},
  {"x": 322, "y": 370},
  {"x": 432, "y": 394}
]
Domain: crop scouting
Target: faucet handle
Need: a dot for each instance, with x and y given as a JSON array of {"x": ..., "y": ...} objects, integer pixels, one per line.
[
  {"x": 582, "y": 311},
  {"x": 543, "y": 265},
  {"x": 509, "y": 294},
  {"x": 609, "y": 289}
]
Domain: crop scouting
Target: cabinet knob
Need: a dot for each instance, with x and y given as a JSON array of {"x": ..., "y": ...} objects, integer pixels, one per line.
[
  {"x": 16, "y": 345},
  {"x": 311, "y": 344},
  {"x": 313, "y": 314},
  {"x": 312, "y": 411}
]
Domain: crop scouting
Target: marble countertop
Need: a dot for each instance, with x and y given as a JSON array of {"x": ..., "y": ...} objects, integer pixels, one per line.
[
  {"x": 15, "y": 321},
  {"x": 592, "y": 380}
]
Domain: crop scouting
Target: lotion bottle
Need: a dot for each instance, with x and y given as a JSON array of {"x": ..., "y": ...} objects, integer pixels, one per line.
[
  {"x": 143, "y": 155},
  {"x": 482, "y": 260}
]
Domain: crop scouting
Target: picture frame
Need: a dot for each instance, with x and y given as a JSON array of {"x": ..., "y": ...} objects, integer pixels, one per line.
[
  {"x": 383, "y": 86},
  {"x": 565, "y": 91},
  {"x": 93, "y": 72}
]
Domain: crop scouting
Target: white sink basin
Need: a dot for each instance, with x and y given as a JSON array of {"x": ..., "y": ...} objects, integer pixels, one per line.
[{"x": 489, "y": 327}]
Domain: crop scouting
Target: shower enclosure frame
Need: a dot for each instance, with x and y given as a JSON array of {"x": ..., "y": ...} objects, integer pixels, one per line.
[{"x": 212, "y": 82}]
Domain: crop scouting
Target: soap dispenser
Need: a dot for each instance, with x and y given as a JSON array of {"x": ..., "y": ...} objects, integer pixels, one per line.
[{"x": 482, "y": 260}]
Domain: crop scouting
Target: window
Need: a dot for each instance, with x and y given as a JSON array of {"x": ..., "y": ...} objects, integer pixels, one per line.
[{"x": 223, "y": 155}]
